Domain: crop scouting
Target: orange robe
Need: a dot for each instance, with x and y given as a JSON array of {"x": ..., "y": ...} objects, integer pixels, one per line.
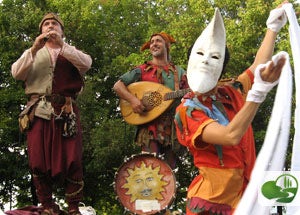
[{"x": 220, "y": 183}]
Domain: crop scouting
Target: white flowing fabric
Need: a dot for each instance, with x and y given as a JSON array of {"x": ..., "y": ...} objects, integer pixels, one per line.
[
  {"x": 294, "y": 31},
  {"x": 272, "y": 154}
]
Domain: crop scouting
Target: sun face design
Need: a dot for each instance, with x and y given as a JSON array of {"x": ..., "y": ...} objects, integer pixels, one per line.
[{"x": 144, "y": 183}]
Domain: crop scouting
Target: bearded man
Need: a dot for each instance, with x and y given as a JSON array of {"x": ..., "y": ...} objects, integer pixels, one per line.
[{"x": 156, "y": 136}]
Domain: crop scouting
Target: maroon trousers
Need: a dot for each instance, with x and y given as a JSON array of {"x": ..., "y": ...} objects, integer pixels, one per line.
[{"x": 55, "y": 159}]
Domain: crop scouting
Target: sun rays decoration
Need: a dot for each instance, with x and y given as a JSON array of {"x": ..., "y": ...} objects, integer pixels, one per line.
[{"x": 144, "y": 182}]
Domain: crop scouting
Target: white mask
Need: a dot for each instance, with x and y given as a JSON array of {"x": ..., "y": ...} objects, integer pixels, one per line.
[{"x": 207, "y": 56}]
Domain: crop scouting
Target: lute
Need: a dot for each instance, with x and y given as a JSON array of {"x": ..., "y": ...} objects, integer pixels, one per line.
[{"x": 154, "y": 96}]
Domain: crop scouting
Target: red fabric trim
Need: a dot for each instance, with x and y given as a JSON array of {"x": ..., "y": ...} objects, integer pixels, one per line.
[
  {"x": 236, "y": 99},
  {"x": 198, "y": 205},
  {"x": 150, "y": 74}
]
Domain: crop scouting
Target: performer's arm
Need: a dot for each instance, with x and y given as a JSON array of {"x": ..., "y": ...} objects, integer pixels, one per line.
[
  {"x": 20, "y": 68},
  {"x": 215, "y": 133},
  {"x": 78, "y": 58},
  {"x": 265, "y": 52},
  {"x": 276, "y": 20},
  {"x": 122, "y": 91}
]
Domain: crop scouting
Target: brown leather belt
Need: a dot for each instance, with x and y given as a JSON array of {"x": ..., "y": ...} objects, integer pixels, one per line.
[{"x": 54, "y": 98}]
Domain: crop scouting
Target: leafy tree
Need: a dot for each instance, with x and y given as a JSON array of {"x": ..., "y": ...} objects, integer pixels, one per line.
[{"x": 112, "y": 32}]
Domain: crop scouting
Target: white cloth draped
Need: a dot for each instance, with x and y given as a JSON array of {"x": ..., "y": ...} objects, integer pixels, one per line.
[
  {"x": 272, "y": 154},
  {"x": 294, "y": 31}
]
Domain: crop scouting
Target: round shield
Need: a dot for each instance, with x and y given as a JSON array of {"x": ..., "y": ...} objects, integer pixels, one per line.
[{"x": 145, "y": 184}]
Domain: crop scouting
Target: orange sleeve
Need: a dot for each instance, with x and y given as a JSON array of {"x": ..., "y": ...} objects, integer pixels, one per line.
[{"x": 246, "y": 79}]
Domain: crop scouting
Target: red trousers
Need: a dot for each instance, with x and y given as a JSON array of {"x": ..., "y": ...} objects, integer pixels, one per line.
[{"x": 54, "y": 159}]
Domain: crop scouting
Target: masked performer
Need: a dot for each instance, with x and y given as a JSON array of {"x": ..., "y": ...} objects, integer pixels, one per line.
[{"x": 214, "y": 121}]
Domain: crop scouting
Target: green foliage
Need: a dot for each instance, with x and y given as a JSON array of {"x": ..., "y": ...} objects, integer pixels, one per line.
[{"x": 112, "y": 32}]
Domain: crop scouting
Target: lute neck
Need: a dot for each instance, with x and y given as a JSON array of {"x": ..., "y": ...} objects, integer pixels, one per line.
[{"x": 176, "y": 94}]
